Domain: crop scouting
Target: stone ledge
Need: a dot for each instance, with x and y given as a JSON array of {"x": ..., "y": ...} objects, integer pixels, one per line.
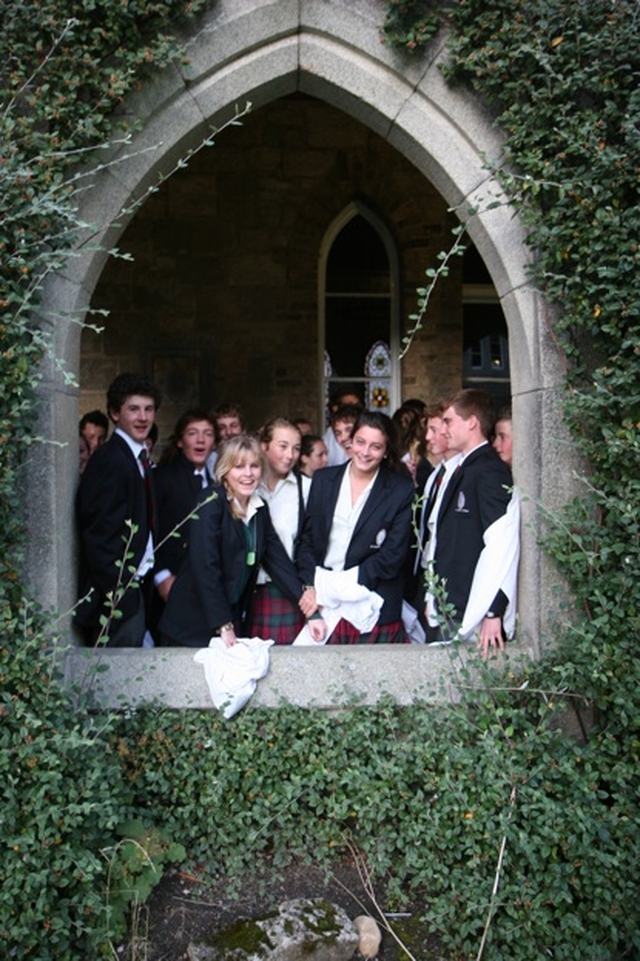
[{"x": 324, "y": 677}]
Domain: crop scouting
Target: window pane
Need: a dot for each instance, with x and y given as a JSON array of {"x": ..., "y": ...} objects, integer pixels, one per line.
[
  {"x": 352, "y": 327},
  {"x": 358, "y": 261}
]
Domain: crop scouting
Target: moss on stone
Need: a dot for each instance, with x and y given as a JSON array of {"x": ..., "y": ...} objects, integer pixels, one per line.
[
  {"x": 244, "y": 935},
  {"x": 320, "y": 917}
]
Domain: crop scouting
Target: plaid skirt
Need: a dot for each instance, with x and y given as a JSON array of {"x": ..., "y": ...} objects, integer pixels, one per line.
[
  {"x": 346, "y": 633},
  {"x": 273, "y": 616}
]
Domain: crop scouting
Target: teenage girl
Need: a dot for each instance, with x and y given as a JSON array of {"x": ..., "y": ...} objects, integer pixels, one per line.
[
  {"x": 284, "y": 491},
  {"x": 359, "y": 516},
  {"x": 313, "y": 454},
  {"x": 230, "y": 538}
]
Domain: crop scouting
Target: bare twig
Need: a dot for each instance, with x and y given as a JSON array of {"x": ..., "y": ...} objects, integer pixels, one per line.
[
  {"x": 496, "y": 880},
  {"x": 365, "y": 877}
]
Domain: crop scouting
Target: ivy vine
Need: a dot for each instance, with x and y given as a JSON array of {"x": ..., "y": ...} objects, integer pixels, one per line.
[
  {"x": 437, "y": 797},
  {"x": 65, "y": 68},
  {"x": 562, "y": 78}
]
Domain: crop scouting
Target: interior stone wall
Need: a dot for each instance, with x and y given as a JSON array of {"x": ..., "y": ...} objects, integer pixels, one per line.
[{"x": 226, "y": 258}]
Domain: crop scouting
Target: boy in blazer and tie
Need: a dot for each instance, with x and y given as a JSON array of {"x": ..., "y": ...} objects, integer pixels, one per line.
[
  {"x": 180, "y": 480},
  {"x": 476, "y": 531},
  {"x": 444, "y": 461},
  {"x": 115, "y": 520}
]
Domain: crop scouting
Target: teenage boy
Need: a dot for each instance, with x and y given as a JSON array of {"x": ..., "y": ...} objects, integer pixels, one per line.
[
  {"x": 94, "y": 427},
  {"x": 477, "y": 530},
  {"x": 444, "y": 462},
  {"x": 229, "y": 421},
  {"x": 338, "y": 435},
  {"x": 337, "y": 448},
  {"x": 115, "y": 520},
  {"x": 503, "y": 436}
]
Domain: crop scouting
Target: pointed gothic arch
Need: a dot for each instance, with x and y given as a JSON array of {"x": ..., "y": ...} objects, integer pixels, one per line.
[{"x": 330, "y": 50}]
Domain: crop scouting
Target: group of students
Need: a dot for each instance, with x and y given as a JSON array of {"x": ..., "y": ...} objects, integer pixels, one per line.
[{"x": 237, "y": 534}]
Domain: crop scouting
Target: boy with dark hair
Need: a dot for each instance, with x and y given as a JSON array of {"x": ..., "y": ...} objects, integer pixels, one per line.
[
  {"x": 115, "y": 520},
  {"x": 345, "y": 397},
  {"x": 229, "y": 421},
  {"x": 503, "y": 436},
  {"x": 94, "y": 427},
  {"x": 125, "y": 386}
]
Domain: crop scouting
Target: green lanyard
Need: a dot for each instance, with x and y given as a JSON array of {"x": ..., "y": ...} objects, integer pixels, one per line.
[{"x": 250, "y": 536}]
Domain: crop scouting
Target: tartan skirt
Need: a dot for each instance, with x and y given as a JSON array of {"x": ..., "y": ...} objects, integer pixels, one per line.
[
  {"x": 273, "y": 616},
  {"x": 346, "y": 633}
]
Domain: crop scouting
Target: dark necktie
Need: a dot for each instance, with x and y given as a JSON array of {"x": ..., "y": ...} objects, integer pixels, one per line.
[
  {"x": 426, "y": 513},
  {"x": 433, "y": 493},
  {"x": 148, "y": 483}
]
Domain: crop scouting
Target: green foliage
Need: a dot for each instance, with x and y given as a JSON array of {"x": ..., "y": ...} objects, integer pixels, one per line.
[
  {"x": 427, "y": 795},
  {"x": 511, "y": 832},
  {"x": 135, "y": 867},
  {"x": 61, "y": 798},
  {"x": 562, "y": 79},
  {"x": 65, "y": 67},
  {"x": 74, "y": 857},
  {"x": 412, "y": 23}
]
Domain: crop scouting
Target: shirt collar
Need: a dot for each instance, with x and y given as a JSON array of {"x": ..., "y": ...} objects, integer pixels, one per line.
[
  {"x": 133, "y": 445},
  {"x": 371, "y": 482},
  {"x": 289, "y": 479},
  {"x": 477, "y": 447},
  {"x": 254, "y": 504}
]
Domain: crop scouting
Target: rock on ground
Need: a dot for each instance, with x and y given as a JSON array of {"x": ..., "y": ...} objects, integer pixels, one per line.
[
  {"x": 369, "y": 936},
  {"x": 305, "y": 929}
]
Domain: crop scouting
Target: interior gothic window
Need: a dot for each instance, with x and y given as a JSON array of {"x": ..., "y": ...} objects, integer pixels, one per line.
[{"x": 359, "y": 315}]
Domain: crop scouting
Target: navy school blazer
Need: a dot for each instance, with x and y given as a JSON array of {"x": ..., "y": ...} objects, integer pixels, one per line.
[
  {"x": 214, "y": 569},
  {"x": 177, "y": 490},
  {"x": 111, "y": 492},
  {"x": 477, "y": 494},
  {"x": 380, "y": 539}
]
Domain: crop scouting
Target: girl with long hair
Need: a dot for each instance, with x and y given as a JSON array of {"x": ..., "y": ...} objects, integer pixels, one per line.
[
  {"x": 359, "y": 520},
  {"x": 230, "y": 538}
]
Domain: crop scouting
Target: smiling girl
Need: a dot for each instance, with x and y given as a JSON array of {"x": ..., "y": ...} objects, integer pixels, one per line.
[
  {"x": 359, "y": 516},
  {"x": 274, "y": 616},
  {"x": 229, "y": 539}
]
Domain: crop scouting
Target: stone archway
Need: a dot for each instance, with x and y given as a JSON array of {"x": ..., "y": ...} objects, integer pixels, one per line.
[{"x": 258, "y": 51}]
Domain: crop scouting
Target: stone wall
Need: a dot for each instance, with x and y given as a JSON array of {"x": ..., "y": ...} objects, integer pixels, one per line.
[
  {"x": 316, "y": 73},
  {"x": 225, "y": 268}
]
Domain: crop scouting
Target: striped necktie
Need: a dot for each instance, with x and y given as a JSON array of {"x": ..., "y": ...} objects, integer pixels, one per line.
[
  {"x": 427, "y": 507},
  {"x": 148, "y": 483},
  {"x": 433, "y": 493}
]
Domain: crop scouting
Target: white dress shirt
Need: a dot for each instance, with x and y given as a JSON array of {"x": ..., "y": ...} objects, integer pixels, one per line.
[
  {"x": 345, "y": 518},
  {"x": 284, "y": 507}
]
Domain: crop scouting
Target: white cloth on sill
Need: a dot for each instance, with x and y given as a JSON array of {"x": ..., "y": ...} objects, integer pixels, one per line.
[
  {"x": 497, "y": 568},
  {"x": 232, "y": 673},
  {"x": 340, "y": 595}
]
